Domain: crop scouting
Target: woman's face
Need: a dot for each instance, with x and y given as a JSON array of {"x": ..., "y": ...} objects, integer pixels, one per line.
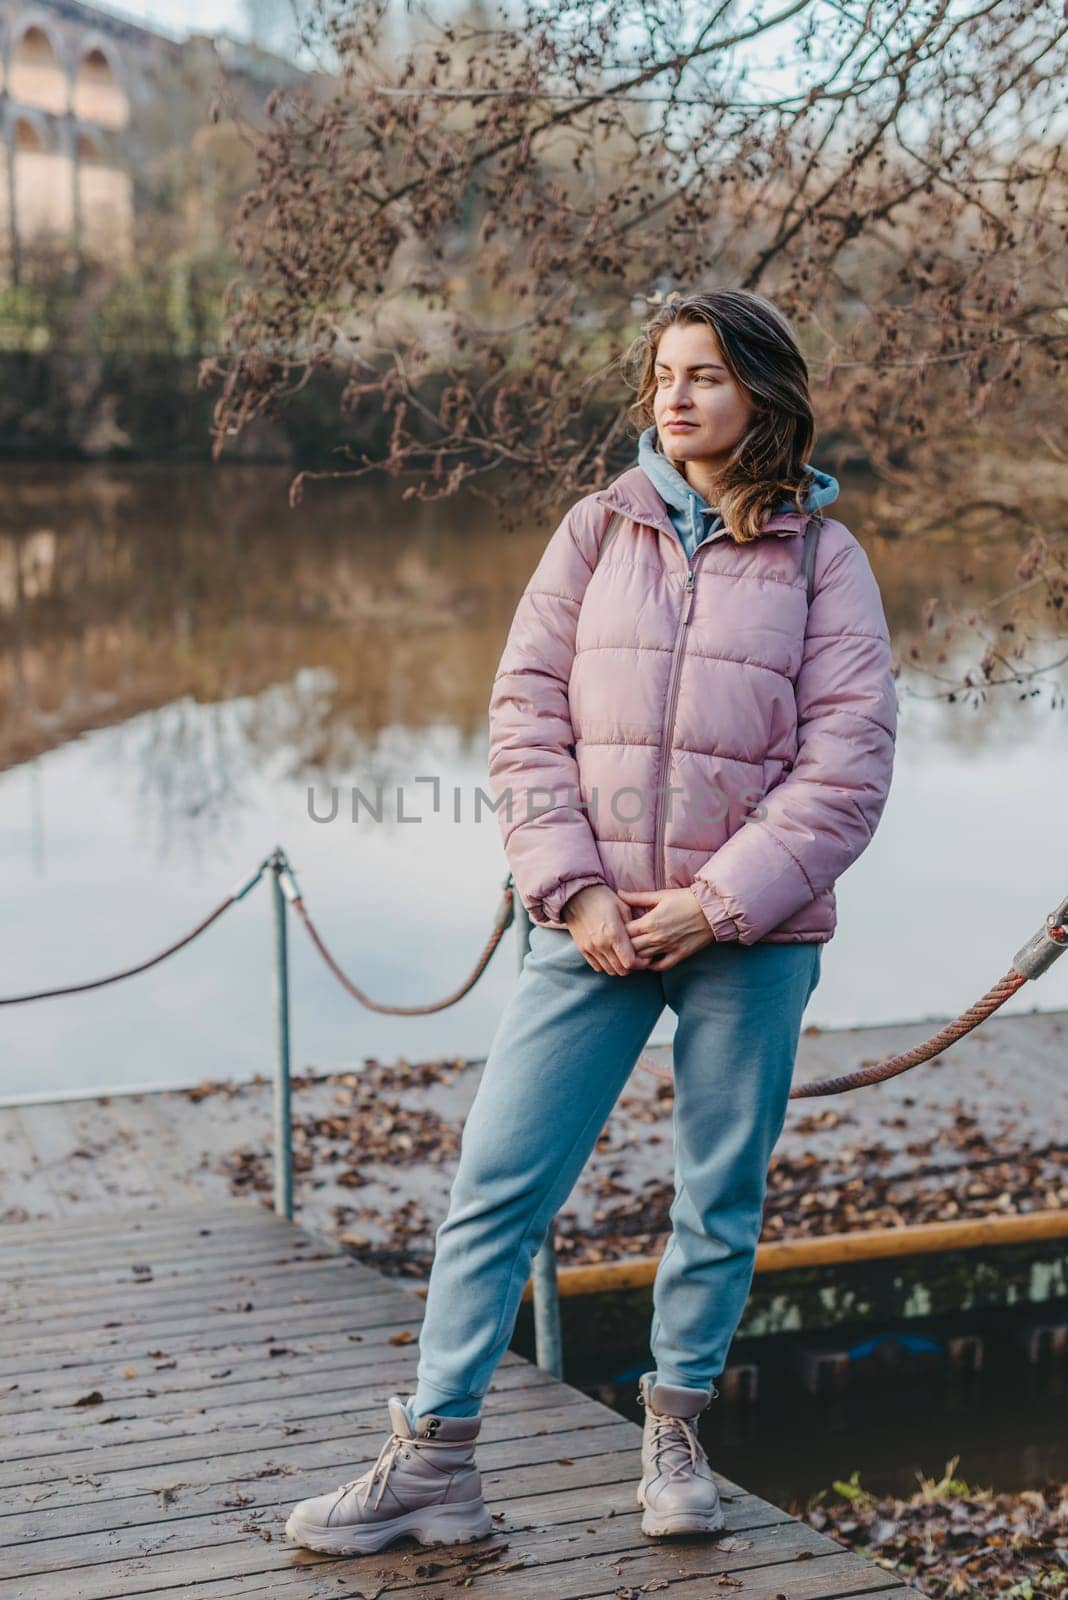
[{"x": 700, "y": 411}]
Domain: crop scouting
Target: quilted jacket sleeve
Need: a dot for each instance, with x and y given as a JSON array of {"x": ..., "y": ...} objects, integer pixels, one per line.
[
  {"x": 815, "y": 823},
  {"x": 533, "y": 774}
]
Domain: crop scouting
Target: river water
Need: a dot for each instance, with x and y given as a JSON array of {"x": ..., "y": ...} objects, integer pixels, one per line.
[{"x": 189, "y": 669}]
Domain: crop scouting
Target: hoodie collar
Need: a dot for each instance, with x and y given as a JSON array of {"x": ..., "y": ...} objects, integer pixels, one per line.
[
  {"x": 646, "y": 490},
  {"x": 669, "y": 483}
]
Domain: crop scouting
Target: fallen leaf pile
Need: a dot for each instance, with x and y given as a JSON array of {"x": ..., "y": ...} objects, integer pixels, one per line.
[
  {"x": 408, "y": 1231},
  {"x": 959, "y": 1170},
  {"x": 955, "y": 1542}
]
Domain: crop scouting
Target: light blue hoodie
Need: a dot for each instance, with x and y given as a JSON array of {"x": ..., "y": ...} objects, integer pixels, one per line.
[{"x": 691, "y": 516}]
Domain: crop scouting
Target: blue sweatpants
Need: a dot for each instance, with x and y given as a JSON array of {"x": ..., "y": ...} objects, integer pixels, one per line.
[{"x": 563, "y": 1049}]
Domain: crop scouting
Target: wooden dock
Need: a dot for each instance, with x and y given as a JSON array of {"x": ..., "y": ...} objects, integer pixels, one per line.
[{"x": 173, "y": 1379}]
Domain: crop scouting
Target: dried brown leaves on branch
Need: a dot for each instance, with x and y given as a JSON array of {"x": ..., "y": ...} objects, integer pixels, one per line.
[{"x": 467, "y": 223}]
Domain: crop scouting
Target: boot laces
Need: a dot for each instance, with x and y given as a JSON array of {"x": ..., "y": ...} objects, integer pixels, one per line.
[
  {"x": 379, "y": 1473},
  {"x": 670, "y": 1431}
]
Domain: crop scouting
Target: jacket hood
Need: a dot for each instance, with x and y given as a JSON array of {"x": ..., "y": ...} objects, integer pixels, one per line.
[{"x": 677, "y": 494}]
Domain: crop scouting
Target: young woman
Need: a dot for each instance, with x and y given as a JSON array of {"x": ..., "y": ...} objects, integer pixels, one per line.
[{"x": 685, "y": 753}]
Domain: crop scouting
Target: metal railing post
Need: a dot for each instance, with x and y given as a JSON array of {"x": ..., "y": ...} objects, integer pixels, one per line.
[
  {"x": 283, "y": 1120},
  {"x": 548, "y": 1340}
]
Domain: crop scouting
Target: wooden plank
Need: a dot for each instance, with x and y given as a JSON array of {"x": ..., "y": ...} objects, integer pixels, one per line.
[
  {"x": 50, "y": 1150},
  {"x": 274, "y": 1492},
  {"x": 206, "y": 1488},
  {"x": 131, "y": 1173},
  {"x": 335, "y": 1301},
  {"x": 317, "y": 1579},
  {"x": 117, "y": 1245},
  {"x": 35, "y": 1183},
  {"x": 233, "y": 1384},
  {"x": 92, "y": 1263},
  {"x": 154, "y": 1135},
  {"x": 131, "y": 1148},
  {"x": 821, "y": 1577},
  {"x": 302, "y": 1319},
  {"x": 180, "y": 1290},
  {"x": 303, "y": 1584},
  {"x": 230, "y": 1383},
  {"x": 146, "y": 1269},
  {"x": 532, "y": 1526},
  {"x": 543, "y": 1547},
  {"x": 242, "y": 1460},
  {"x": 96, "y": 1366},
  {"x": 24, "y": 1411},
  {"x": 242, "y": 1121},
  {"x": 31, "y": 1282},
  {"x": 240, "y": 1300},
  {"x": 171, "y": 1220},
  {"x": 192, "y": 1437},
  {"x": 180, "y": 1482},
  {"x": 109, "y": 1253},
  {"x": 19, "y": 1244},
  {"x": 273, "y": 1285},
  {"x": 134, "y": 1441}
]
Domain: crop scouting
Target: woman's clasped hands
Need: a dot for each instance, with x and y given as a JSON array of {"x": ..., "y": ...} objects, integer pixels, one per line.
[{"x": 635, "y": 930}]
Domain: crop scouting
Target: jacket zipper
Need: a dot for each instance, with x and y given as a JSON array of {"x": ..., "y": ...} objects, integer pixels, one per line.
[{"x": 659, "y": 813}]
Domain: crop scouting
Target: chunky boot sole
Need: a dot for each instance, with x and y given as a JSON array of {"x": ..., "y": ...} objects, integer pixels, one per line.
[
  {"x": 662, "y": 1524},
  {"x": 444, "y": 1524}
]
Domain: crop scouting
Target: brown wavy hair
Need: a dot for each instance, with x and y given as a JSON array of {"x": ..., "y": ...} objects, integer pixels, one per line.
[{"x": 761, "y": 354}]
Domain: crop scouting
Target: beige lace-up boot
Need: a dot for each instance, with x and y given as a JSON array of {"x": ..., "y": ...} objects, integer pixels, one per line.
[
  {"x": 423, "y": 1483},
  {"x": 678, "y": 1492}
]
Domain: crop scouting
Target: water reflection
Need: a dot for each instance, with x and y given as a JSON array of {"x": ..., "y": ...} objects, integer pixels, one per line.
[
  {"x": 120, "y": 592},
  {"x": 230, "y": 653},
  {"x": 123, "y": 590}
]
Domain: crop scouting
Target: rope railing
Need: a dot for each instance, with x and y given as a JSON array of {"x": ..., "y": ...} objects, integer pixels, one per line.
[
  {"x": 891, "y": 1066},
  {"x": 1030, "y": 961},
  {"x": 504, "y": 917},
  {"x": 238, "y": 892}
]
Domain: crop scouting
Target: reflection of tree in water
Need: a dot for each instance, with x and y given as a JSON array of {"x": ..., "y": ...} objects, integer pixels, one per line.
[
  {"x": 163, "y": 584},
  {"x": 977, "y": 728},
  {"x": 198, "y": 766},
  {"x": 207, "y": 585},
  {"x": 191, "y": 772}
]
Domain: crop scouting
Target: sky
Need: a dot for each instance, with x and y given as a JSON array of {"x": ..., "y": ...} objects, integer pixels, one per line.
[{"x": 181, "y": 17}]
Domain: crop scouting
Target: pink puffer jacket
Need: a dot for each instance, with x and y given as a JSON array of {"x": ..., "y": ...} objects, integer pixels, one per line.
[{"x": 656, "y": 723}]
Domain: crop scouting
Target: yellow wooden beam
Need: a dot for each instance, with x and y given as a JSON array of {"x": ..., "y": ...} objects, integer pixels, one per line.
[{"x": 833, "y": 1249}]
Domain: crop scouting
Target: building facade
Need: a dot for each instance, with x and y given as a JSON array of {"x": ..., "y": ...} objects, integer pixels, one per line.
[{"x": 89, "y": 102}]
